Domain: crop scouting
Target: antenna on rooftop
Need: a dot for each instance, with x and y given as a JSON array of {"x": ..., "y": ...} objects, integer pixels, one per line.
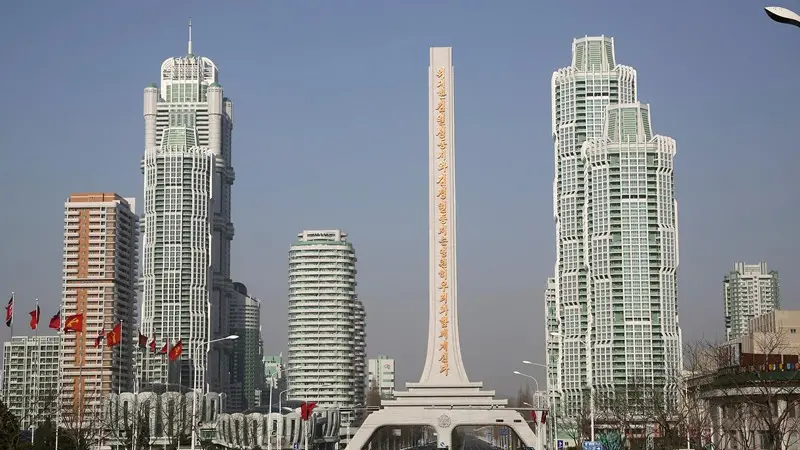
[{"x": 190, "y": 35}]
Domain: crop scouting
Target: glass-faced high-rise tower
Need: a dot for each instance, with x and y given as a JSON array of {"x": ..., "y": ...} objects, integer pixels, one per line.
[
  {"x": 187, "y": 229},
  {"x": 612, "y": 314}
]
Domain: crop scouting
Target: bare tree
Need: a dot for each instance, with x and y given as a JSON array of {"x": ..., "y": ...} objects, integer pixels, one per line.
[
  {"x": 78, "y": 430},
  {"x": 619, "y": 413},
  {"x": 374, "y": 396},
  {"x": 753, "y": 395},
  {"x": 37, "y": 409},
  {"x": 524, "y": 396},
  {"x": 373, "y": 401},
  {"x": 576, "y": 426},
  {"x": 128, "y": 425},
  {"x": 644, "y": 414},
  {"x": 177, "y": 418}
]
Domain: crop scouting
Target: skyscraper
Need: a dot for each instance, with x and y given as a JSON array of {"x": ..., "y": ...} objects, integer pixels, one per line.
[
  {"x": 326, "y": 321},
  {"x": 186, "y": 283},
  {"x": 101, "y": 244},
  {"x": 749, "y": 291},
  {"x": 247, "y": 366},
  {"x": 614, "y": 321}
]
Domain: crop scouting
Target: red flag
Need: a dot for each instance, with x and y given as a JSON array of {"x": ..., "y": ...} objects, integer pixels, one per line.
[
  {"x": 142, "y": 340},
  {"x": 99, "y": 337},
  {"x": 165, "y": 349},
  {"x": 115, "y": 337},
  {"x": 306, "y": 409},
  {"x": 153, "y": 344},
  {"x": 10, "y": 311},
  {"x": 533, "y": 416},
  {"x": 55, "y": 321},
  {"x": 544, "y": 416},
  {"x": 176, "y": 351},
  {"x": 35, "y": 317},
  {"x": 74, "y": 323}
]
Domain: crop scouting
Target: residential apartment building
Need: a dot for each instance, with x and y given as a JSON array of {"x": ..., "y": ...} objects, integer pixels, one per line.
[
  {"x": 30, "y": 382},
  {"x": 326, "y": 322},
  {"x": 749, "y": 290},
  {"x": 614, "y": 320},
  {"x": 101, "y": 244},
  {"x": 381, "y": 376},
  {"x": 188, "y": 175}
]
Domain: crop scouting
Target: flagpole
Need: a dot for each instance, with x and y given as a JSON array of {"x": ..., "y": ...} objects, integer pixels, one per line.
[
  {"x": 100, "y": 341},
  {"x": 136, "y": 392},
  {"x": 38, "y": 364},
  {"x": 119, "y": 362},
  {"x": 135, "y": 410},
  {"x": 60, "y": 375},
  {"x": 11, "y": 325},
  {"x": 166, "y": 438},
  {"x": 11, "y": 329}
]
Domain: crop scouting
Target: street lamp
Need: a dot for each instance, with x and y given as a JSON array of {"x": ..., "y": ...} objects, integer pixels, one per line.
[
  {"x": 552, "y": 402},
  {"x": 272, "y": 379},
  {"x": 783, "y": 15},
  {"x": 591, "y": 391},
  {"x": 232, "y": 337},
  {"x": 538, "y": 432},
  {"x": 534, "y": 363}
]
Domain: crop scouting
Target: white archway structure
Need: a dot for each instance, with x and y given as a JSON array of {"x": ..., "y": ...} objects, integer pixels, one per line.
[{"x": 444, "y": 398}]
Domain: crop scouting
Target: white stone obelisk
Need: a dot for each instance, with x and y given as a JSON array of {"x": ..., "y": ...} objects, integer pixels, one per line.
[
  {"x": 443, "y": 365},
  {"x": 444, "y": 398}
]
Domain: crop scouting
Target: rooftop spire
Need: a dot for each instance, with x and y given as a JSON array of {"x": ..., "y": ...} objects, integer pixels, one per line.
[{"x": 190, "y": 35}]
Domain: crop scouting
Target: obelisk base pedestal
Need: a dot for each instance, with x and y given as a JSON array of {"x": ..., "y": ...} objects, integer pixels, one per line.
[{"x": 443, "y": 408}]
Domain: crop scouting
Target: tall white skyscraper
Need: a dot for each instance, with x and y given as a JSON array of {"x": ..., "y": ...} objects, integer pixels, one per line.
[
  {"x": 613, "y": 320},
  {"x": 749, "y": 290},
  {"x": 326, "y": 322},
  {"x": 186, "y": 283}
]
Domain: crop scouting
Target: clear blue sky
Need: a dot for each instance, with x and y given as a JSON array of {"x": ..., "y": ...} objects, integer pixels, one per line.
[{"x": 330, "y": 132}]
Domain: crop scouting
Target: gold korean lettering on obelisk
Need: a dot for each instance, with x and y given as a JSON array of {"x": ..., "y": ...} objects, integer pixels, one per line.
[{"x": 443, "y": 218}]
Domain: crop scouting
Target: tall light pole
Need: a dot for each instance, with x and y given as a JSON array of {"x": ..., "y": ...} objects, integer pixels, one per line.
[
  {"x": 591, "y": 401},
  {"x": 538, "y": 432},
  {"x": 551, "y": 401},
  {"x": 272, "y": 381},
  {"x": 194, "y": 390},
  {"x": 783, "y": 15}
]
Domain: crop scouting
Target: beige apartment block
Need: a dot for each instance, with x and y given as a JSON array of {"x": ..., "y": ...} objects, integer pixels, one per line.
[{"x": 99, "y": 281}]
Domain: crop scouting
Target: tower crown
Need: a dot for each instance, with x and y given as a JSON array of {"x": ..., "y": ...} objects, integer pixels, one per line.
[
  {"x": 628, "y": 122},
  {"x": 591, "y": 53}
]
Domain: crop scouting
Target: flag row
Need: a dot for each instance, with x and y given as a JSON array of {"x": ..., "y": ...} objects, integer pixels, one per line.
[{"x": 75, "y": 323}]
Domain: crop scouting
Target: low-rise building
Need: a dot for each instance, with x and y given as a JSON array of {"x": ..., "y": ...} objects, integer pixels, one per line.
[
  {"x": 30, "y": 382},
  {"x": 746, "y": 393},
  {"x": 381, "y": 375}
]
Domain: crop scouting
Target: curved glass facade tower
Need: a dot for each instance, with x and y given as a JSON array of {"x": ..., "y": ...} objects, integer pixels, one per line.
[
  {"x": 612, "y": 311},
  {"x": 187, "y": 227},
  {"x": 327, "y": 346}
]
